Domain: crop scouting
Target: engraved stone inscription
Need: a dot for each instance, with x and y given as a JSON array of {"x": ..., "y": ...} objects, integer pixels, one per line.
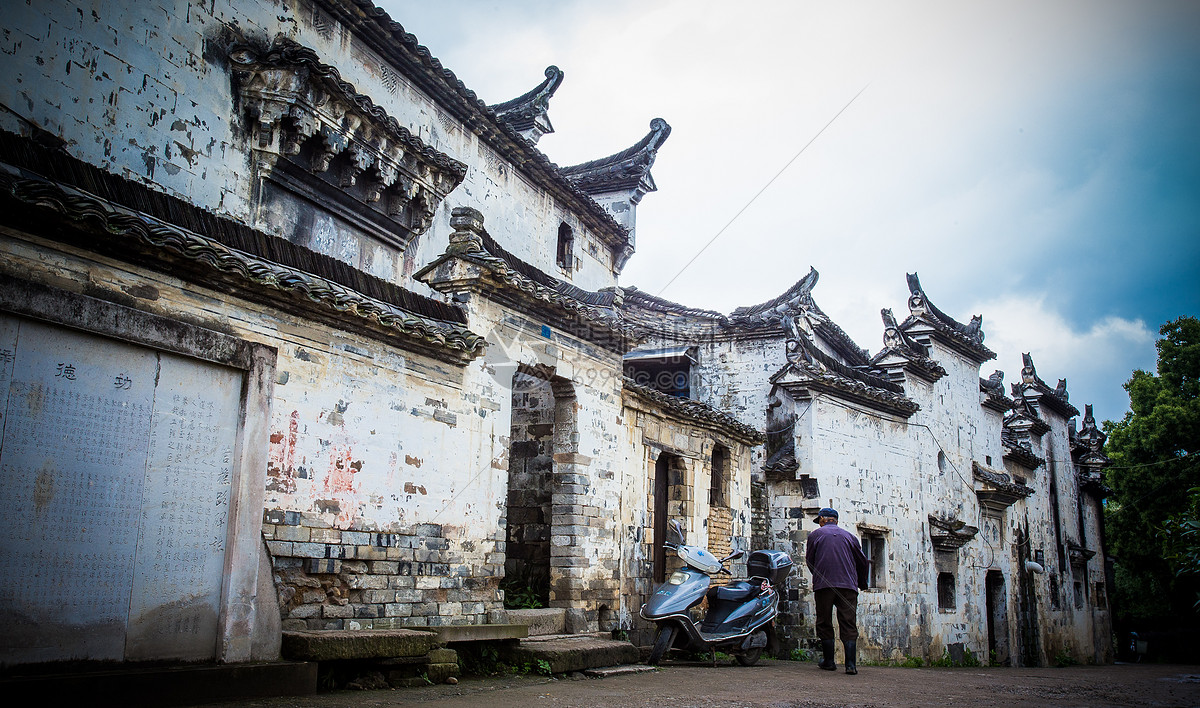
[{"x": 118, "y": 460}]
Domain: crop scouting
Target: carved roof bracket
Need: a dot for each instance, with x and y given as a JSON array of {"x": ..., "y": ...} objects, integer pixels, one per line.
[
  {"x": 300, "y": 110},
  {"x": 949, "y": 534},
  {"x": 997, "y": 490}
]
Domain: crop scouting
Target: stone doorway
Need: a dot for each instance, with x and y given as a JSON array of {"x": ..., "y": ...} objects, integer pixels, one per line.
[
  {"x": 997, "y": 619},
  {"x": 666, "y": 486},
  {"x": 530, "y": 472},
  {"x": 542, "y": 469}
]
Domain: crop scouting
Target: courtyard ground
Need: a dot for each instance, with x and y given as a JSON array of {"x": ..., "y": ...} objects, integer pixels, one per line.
[{"x": 782, "y": 684}]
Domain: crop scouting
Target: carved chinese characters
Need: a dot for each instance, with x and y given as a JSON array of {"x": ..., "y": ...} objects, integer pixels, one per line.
[{"x": 117, "y": 462}]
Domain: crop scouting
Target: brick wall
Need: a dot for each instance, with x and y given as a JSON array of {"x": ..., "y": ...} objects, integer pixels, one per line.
[{"x": 333, "y": 579}]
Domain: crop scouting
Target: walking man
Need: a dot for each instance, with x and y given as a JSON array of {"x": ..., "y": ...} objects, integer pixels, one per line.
[{"x": 839, "y": 568}]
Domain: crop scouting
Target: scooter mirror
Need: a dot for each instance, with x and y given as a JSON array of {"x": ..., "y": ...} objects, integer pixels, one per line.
[
  {"x": 677, "y": 530},
  {"x": 733, "y": 556}
]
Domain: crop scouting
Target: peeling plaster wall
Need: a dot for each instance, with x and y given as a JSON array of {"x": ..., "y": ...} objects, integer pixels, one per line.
[
  {"x": 1080, "y": 629},
  {"x": 885, "y": 477},
  {"x": 384, "y": 467}
]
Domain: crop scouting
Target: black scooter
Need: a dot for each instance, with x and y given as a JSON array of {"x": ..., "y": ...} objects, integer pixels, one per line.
[{"x": 740, "y": 614}]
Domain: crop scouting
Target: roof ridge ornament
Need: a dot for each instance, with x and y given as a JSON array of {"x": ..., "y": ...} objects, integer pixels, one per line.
[
  {"x": 528, "y": 113},
  {"x": 966, "y": 338},
  {"x": 994, "y": 384},
  {"x": 898, "y": 339},
  {"x": 628, "y": 169}
]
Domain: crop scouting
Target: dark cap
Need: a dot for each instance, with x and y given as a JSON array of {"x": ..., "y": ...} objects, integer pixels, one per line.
[{"x": 831, "y": 513}]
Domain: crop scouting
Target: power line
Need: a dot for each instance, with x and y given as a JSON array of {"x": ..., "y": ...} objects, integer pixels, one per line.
[{"x": 764, "y": 188}]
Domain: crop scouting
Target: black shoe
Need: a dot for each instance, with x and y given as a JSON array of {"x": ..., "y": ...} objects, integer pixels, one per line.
[
  {"x": 851, "y": 658},
  {"x": 827, "y": 651}
]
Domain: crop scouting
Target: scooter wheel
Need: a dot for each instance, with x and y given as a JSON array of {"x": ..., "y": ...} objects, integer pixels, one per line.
[
  {"x": 662, "y": 642},
  {"x": 749, "y": 658}
]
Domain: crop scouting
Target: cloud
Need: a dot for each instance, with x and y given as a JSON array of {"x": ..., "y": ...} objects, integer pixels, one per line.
[
  {"x": 1095, "y": 360},
  {"x": 1037, "y": 160}
]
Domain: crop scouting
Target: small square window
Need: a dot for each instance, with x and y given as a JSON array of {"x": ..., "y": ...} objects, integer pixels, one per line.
[
  {"x": 719, "y": 479},
  {"x": 566, "y": 247},
  {"x": 946, "y": 593},
  {"x": 874, "y": 549}
]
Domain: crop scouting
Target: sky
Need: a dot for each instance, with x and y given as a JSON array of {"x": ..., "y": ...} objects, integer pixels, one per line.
[{"x": 1034, "y": 162}]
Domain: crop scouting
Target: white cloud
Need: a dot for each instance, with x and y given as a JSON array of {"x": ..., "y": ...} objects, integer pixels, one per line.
[
  {"x": 1096, "y": 361},
  {"x": 992, "y": 153}
]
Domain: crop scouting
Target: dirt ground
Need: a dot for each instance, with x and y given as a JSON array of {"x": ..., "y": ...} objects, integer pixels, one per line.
[{"x": 781, "y": 684}]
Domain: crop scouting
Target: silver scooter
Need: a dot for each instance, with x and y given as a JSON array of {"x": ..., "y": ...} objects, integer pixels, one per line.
[{"x": 740, "y": 615}]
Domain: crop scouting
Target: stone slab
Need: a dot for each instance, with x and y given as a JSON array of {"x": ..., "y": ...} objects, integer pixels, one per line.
[
  {"x": 607, "y": 671},
  {"x": 333, "y": 645},
  {"x": 481, "y": 632},
  {"x": 574, "y": 653},
  {"x": 550, "y": 620}
]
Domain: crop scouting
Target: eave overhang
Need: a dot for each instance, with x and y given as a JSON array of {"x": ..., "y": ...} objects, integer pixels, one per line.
[
  {"x": 528, "y": 113},
  {"x": 695, "y": 412},
  {"x": 138, "y": 237},
  {"x": 291, "y": 101},
  {"x": 805, "y": 380},
  {"x": 625, "y": 171},
  {"x": 997, "y": 490},
  {"x": 469, "y": 266},
  {"x": 949, "y": 534},
  {"x": 1079, "y": 555},
  {"x": 927, "y": 321}
]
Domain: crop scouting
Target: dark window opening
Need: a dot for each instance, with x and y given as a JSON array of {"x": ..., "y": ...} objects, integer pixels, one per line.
[
  {"x": 566, "y": 247},
  {"x": 719, "y": 481},
  {"x": 873, "y": 549},
  {"x": 1079, "y": 596},
  {"x": 667, "y": 370},
  {"x": 945, "y": 590},
  {"x": 1055, "y": 603},
  {"x": 662, "y": 470},
  {"x": 988, "y": 458}
]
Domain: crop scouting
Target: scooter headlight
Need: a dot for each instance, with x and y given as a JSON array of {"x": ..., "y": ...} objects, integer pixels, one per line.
[{"x": 677, "y": 578}]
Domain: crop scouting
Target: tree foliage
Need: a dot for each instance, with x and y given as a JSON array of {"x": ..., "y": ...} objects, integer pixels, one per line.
[{"x": 1150, "y": 517}]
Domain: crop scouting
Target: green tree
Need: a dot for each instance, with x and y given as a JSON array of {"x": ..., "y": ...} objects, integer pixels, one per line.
[{"x": 1155, "y": 451}]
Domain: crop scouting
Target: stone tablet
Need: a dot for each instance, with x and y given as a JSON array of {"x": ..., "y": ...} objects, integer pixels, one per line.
[{"x": 117, "y": 462}]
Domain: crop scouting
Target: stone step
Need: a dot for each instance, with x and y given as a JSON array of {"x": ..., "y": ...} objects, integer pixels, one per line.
[
  {"x": 342, "y": 644},
  {"x": 543, "y": 621},
  {"x": 480, "y": 632},
  {"x": 575, "y": 652},
  {"x": 621, "y": 670}
]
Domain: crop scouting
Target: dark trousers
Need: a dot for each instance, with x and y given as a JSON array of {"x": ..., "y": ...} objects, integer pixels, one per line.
[{"x": 846, "y": 602}]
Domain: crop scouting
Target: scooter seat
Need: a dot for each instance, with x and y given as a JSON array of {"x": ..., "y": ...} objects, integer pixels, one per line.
[{"x": 737, "y": 592}]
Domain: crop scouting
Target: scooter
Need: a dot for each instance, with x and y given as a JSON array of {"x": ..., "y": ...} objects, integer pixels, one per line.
[{"x": 740, "y": 615}]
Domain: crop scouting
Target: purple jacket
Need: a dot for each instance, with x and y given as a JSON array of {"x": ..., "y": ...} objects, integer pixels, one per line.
[{"x": 835, "y": 558}]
